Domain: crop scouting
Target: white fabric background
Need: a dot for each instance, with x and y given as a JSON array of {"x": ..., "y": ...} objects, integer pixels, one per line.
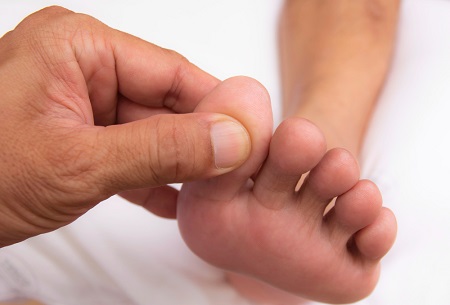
[
  {"x": 407, "y": 153},
  {"x": 132, "y": 257}
]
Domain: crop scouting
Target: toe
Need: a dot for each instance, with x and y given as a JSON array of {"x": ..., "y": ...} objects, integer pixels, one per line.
[
  {"x": 296, "y": 147},
  {"x": 335, "y": 174},
  {"x": 247, "y": 101},
  {"x": 375, "y": 240},
  {"x": 356, "y": 209}
]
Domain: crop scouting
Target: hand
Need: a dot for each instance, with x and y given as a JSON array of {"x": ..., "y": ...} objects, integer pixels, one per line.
[{"x": 87, "y": 112}]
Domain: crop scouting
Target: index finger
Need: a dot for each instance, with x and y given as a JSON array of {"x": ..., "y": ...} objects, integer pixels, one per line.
[
  {"x": 116, "y": 64},
  {"x": 82, "y": 57},
  {"x": 154, "y": 76}
]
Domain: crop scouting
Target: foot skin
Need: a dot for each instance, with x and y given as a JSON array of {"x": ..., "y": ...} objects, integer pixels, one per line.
[{"x": 267, "y": 226}]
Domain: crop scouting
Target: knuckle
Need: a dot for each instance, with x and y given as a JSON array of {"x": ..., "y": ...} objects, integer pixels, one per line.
[
  {"x": 54, "y": 23},
  {"x": 42, "y": 19},
  {"x": 174, "y": 155},
  {"x": 175, "y": 55},
  {"x": 53, "y": 10},
  {"x": 181, "y": 68}
]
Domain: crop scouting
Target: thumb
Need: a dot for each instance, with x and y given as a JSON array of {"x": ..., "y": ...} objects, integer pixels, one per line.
[{"x": 169, "y": 148}]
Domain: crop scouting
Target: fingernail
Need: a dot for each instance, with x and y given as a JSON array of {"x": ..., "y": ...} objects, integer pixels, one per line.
[{"x": 231, "y": 143}]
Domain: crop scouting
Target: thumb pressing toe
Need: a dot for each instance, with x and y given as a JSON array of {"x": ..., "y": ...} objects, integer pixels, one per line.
[{"x": 169, "y": 148}]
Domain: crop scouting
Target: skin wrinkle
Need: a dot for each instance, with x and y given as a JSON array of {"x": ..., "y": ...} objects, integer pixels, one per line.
[
  {"x": 110, "y": 151},
  {"x": 102, "y": 160},
  {"x": 21, "y": 230},
  {"x": 104, "y": 60},
  {"x": 42, "y": 215},
  {"x": 119, "y": 93},
  {"x": 73, "y": 164},
  {"x": 189, "y": 145},
  {"x": 303, "y": 198},
  {"x": 73, "y": 174},
  {"x": 194, "y": 156},
  {"x": 67, "y": 93},
  {"x": 68, "y": 100},
  {"x": 79, "y": 167},
  {"x": 275, "y": 190},
  {"x": 23, "y": 188},
  {"x": 181, "y": 143},
  {"x": 79, "y": 38},
  {"x": 172, "y": 97},
  {"x": 116, "y": 56},
  {"x": 159, "y": 139},
  {"x": 28, "y": 191},
  {"x": 53, "y": 171},
  {"x": 177, "y": 148},
  {"x": 109, "y": 114}
]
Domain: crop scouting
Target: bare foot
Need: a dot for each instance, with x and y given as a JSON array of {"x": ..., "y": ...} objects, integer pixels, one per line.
[{"x": 264, "y": 226}]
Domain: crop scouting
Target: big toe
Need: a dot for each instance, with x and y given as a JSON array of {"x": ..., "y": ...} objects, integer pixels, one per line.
[{"x": 246, "y": 100}]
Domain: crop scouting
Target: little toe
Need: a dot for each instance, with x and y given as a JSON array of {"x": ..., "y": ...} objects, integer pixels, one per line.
[
  {"x": 375, "y": 240},
  {"x": 335, "y": 174},
  {"x": 296, "y": 147}
]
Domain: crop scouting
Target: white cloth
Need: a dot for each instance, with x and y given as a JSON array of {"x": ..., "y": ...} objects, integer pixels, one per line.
[
  {"x": 115, "y": 254},
  {"x": 128, "y": 256},
  {"x": 407, "y": 154}
]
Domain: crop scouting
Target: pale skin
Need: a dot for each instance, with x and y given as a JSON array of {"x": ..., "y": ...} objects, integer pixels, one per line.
[
  {"x": 358, "y": 231},
  {"x": 333, "y": 78},
  {"x": 254, "y": 221}
]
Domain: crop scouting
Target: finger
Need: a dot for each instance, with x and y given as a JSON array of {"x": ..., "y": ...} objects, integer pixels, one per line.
[
  {"x": 166, "y": 148},
  {"x": 129, "y": 111},
  {"x": 161, "y": 201},
  {"x": 115, "y": 62},
  {"x": 158, "y": 77},
  {"x": 89, "y": 61}
]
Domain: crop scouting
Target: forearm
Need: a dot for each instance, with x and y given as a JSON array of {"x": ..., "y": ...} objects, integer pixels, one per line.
[{"x": 335, "y": 55}]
